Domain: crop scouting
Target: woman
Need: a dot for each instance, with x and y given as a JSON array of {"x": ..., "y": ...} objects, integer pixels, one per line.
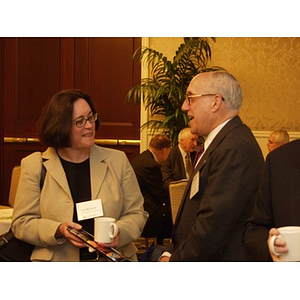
[{"x": 76, "y": 170}]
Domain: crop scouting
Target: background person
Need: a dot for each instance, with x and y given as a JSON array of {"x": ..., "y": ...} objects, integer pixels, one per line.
[
  {"x": 180, "y": 158},
  {"x": 76, "y": 170},
  {"x": 219, "y": 196},
  {"x": 277, "y": 139},
  {"x": 278, "y": 203},
  {"x": 147, "y": 167}
]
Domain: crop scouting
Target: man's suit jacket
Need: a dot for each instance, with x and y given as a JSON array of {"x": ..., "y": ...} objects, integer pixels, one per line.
[
  {"x": 279, "y": 199},
  {"x": 173, "y": 168},
  {"x": 156, "y": 197},
  {"x": 210, "y": 225},
  {"x": 37, "y": 215}
]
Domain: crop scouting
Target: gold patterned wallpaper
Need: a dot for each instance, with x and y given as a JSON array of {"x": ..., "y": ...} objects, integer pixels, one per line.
[{"x": 268, "y": 70}]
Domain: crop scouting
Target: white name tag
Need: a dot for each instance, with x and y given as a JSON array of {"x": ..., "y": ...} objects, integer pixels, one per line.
[
  {"x": 89, "y": 209},
  {"x": 194, "y": 186}
]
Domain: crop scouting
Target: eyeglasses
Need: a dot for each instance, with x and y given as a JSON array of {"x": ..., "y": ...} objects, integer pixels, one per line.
[
  {"x": 188, "y": 97},
  {"x": 80, "y": 122}
]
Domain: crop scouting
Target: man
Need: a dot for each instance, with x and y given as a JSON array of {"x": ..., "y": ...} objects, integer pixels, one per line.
[
  {"x": 156, "y": 199},
  {"x": 278, "y": 203},
  {"x": 181, "y": 158},
  {"x": 277, "y": 139},
  {"x": 219, "y": 196}
]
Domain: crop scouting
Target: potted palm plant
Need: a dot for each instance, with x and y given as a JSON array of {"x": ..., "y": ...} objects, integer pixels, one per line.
[{"x": 164, "y": 92}]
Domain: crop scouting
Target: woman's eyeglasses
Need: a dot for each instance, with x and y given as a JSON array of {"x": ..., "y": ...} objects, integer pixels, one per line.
[{"x": 80, "y": 122}]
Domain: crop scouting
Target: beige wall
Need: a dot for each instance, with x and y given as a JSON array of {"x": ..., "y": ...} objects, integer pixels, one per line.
[{"x": 269, "y": 72}]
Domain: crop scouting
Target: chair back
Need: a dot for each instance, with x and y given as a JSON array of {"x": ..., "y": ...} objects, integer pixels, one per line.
[
  {"x": 176, "y": 189},
  {"x": 13, "y": 185}
]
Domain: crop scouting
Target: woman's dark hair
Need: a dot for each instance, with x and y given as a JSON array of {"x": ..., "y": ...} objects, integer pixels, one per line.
[{"x": 55, "y": 123}]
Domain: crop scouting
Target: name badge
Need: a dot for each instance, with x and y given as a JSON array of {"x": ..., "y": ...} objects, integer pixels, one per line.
[
  {"x": 194, "y": 186},
  {"x": 89, "y": 209}
]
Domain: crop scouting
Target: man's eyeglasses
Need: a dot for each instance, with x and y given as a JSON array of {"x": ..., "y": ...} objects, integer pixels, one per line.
[
  {"x": 80, "y": 122},
  {"x": 189, "y": 97}
]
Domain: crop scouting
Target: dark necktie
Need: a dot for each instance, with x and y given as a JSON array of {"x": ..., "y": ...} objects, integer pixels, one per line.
[
  {"x": 198, "y": 154},
  {"x": 188, "y": 165}
]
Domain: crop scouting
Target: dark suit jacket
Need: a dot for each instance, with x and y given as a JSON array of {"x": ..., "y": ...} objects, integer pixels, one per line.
[
  {"x": 210, "y": 225},
  {"x": 156, "y": 198},
  {"x": 279, "y": 199},
  {"x": 173, "y": 168}
]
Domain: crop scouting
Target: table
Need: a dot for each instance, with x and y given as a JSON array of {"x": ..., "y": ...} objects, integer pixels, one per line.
[{"x": 5, "y": 219}]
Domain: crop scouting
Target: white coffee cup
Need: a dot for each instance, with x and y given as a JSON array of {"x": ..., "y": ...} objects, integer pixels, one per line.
[
  {"x": 105, "y": 229},
  {"x": 291, "y": 235}
]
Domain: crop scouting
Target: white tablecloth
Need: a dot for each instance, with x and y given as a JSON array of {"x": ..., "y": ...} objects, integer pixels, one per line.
[{"x": 5, "y": 219}]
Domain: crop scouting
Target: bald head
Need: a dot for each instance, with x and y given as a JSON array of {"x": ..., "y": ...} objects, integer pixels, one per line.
[{"x": 212, "y": 98}]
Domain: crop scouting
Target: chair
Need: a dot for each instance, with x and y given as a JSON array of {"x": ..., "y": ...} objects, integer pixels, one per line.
[
  {"x": 13, "y": 185},
  {"x": 15, "y": 175},
  {"x": 176, "y": 189}
]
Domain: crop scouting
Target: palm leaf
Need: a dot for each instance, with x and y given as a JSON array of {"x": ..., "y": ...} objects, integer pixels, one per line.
[{"x": 164, "y": 93}]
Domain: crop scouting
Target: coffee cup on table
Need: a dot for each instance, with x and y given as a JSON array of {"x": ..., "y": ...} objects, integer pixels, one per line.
[
  {"x": 291, "y": 235},
  {"x": 105, "y": 229}
]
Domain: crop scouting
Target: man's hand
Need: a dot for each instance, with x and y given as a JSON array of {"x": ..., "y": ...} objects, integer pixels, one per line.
[
  {"x": 279, "y": 244},
  {"x": 164, "y": 259}
]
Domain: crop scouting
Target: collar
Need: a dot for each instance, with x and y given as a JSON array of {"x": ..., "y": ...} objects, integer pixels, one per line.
[
  {"x": 213, "y": 134},
  {"x": 155, "y": 157},
  {"x": 183, "y": 153}
]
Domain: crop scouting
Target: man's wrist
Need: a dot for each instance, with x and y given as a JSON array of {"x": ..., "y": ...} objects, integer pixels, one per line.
[{"x": 166, "y": 254}]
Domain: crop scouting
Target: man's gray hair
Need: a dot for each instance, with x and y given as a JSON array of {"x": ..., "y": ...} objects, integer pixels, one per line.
[
  {"x": 281, "y": 136},
  {"x": 184, "y": 133},
  {"x": 225, "y": 84}
]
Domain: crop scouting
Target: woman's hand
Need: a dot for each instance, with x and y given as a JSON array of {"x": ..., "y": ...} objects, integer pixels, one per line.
[
  {"x": 279, "y": 244},
  {"x": 63, "y": 232},
  {"x": 113, "y": 244}
]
